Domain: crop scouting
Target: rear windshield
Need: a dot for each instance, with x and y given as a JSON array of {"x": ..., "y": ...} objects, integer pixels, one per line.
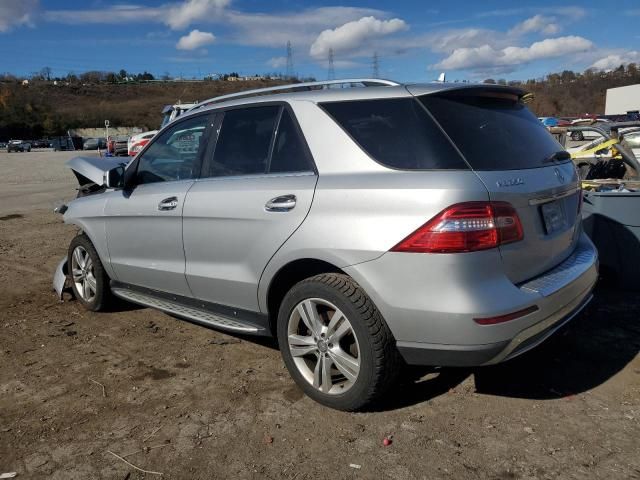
[
  {"x": 397, "y": 133},
  {"x": 493, "y": 133}
]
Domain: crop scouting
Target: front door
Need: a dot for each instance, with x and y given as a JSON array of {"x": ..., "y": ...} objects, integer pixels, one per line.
[{"x": 144, "y": 224}]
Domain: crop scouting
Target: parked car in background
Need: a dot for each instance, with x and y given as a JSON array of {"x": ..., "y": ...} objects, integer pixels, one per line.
[
  {"x": 40, "y": 143},
  {"x": 18, "y": 146},
  {"x": 120, "y": 145},
  {"x": 139, "y": 137},
  {"x": 364, "y": 227},
  {"x": 3, "y": 144},
  {"x": 549, "y": 121},
  {"x": 586, "y": 122},
  {"x": 95, "y": 144},
  {"x": 137, "y": 147}
]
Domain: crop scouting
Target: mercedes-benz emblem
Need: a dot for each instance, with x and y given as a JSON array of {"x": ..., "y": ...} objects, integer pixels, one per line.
[{"x": 559, "y": 175}]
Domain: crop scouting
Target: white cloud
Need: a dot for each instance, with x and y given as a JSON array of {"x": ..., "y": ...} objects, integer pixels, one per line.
[
  {"x": 615, "y": 60},
  {"x": 15, "y": 13},
  {"x": 352, "y": 35},
  {"x": 182, "y": 15},
  {"x": 536, "y": 24},
  {"x": 176, "y": 15},
  {"x": 277, "y": 62},
  {"x": 487, "y": 57},
  {"x": 195, "y": 39},
  {"x": 300, "y": 28}
]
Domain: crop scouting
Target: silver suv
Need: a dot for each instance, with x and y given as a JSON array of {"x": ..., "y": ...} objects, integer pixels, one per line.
[{"x": 366, "y": 227}]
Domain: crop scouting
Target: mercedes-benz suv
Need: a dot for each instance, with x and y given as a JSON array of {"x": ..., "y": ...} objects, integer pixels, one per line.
[{"x": 365, "y": 227}]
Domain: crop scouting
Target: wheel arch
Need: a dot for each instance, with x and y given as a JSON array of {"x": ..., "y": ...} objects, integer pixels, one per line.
[{"x": 287, "y": 276}]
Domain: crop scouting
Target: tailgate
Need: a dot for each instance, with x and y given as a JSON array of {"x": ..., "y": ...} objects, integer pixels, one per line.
[{"x": 519, "y": 162}]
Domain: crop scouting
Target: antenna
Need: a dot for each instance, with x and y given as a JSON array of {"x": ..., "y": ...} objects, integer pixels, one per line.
[
  {"x": 375, "y": 66},
  {"x": 289, "y": 71},
  {"x": 331, "y": 74}
]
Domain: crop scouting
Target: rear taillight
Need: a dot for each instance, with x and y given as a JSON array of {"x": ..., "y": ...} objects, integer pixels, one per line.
[{"x": 465, "y": 227}]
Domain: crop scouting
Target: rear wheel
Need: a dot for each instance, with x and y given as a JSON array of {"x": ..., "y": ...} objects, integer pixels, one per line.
[
  {"x": 335, "y": 343},
  {"x": 89, "y": 281}
]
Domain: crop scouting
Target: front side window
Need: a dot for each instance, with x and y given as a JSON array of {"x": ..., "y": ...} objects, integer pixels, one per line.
[
  {"x": 244, "y": 141},
  {"x": 175, "y": 153}
]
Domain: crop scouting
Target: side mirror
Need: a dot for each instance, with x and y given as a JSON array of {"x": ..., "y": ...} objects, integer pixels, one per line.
[{"x": 115, "y": 177}]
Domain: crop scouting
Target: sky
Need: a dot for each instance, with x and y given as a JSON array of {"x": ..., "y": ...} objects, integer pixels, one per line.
[{"x": 413, "y": 40}]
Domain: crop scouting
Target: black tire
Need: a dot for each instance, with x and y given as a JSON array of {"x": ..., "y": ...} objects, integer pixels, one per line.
[
  {"x": 577, "y": 136},
  {"x": 103, "y": 297},
  {"x": 380, "y": 361}
]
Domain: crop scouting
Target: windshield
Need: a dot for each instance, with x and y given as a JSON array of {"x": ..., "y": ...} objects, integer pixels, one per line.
[{"x": 493, "y": 132}]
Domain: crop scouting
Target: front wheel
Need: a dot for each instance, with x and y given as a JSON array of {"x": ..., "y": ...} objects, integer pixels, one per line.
[
  {"x": 89, "y": 281},
  {"x": 577, "y": 136},
  {"x": 335, "y": 344}
]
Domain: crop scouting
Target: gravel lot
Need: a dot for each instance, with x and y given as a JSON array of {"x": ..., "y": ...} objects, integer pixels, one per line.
[{"x": 192, "y": 403}]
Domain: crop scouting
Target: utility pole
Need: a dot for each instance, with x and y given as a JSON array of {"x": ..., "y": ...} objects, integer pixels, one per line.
[
  {"x": 331, "y": 73},
  {"x": 289, "y": 70},
  {"x": 375, "y": 65}
]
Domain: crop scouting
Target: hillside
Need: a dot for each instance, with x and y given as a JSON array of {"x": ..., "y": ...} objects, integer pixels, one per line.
[{"x": 42, "y": 109}]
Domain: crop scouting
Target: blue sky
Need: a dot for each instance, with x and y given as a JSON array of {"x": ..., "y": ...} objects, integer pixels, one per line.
[{"x": 414, "y": 40}]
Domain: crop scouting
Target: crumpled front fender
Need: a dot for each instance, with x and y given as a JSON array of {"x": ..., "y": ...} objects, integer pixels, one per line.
[{"x": 60, "y": 278}]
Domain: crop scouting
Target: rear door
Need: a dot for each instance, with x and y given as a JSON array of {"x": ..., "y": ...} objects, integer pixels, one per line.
[
  {"x": 513, "y": 154},
  {"x": 256, "y": 188}
]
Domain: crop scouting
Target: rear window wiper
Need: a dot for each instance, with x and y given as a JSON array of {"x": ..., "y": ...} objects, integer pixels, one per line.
[{"x": 557, "y": 157}]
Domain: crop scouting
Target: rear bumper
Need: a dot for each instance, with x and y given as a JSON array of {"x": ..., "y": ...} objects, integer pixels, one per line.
[
  {"x": 477, "y": 355},
  {"x": 430, "y": 302}
]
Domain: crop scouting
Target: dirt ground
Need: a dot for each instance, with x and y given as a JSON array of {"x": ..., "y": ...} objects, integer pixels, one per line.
[{"x": 192, "y": 403}]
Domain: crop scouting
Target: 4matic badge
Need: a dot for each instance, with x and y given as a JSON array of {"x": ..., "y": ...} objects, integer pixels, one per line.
[{"x": 510, "y": 182}]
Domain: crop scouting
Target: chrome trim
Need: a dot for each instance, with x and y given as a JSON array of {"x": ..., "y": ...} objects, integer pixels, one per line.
[
  {"x": 551, "y": 198},
  {"x": 367, "y": 82},
  {"x": 574, "y": 266}
]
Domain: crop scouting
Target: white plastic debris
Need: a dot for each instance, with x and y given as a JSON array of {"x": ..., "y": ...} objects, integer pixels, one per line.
[
  {"x": 355, "y": 465},
  {"x": 8, "y": 474}
]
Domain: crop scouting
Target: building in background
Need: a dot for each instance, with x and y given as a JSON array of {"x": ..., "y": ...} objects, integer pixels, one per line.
[{"x": 622, "y": 100}]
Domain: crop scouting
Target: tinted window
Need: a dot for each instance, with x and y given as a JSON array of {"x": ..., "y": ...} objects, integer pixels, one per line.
[
  {"x": 174, "y": 154},
  {"x": 244, "y": 142},
  {"x": 289, "y": 153},
  {"x": 397, "y": 133},
  {"x": 493, "y": 133}
]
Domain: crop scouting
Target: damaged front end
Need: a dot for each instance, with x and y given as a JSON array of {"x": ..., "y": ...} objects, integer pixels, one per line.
[{"x": 95, "y": 175}]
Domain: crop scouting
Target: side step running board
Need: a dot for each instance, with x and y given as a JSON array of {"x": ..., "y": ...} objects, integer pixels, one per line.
[{"x": 191, "y": 313}]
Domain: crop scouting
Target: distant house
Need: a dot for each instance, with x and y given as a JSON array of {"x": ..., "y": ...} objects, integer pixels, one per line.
[{"x": 25, "y": 82}]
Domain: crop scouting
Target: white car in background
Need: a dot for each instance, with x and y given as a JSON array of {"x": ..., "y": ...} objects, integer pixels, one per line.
[{"x": 134, "y": 139}]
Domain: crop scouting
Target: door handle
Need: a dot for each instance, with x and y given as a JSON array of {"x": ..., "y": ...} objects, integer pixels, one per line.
[
  {"x": 283, "y": 203},
  {"x": 168, "y": 204}
]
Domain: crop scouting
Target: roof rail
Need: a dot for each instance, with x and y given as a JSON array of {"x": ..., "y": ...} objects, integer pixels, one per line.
[{"x": 305, "y": 86}]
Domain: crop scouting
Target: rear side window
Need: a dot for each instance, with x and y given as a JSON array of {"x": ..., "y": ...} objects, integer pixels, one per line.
[
  {"x": 244, "y": 142},
  {"x": 289, "y": 153},
  {"x": 397, "y": 133},
  {"x": 493, "y": 132}
]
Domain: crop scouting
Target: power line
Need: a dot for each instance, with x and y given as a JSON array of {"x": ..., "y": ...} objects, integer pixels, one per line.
[
  {"x": 289, "y": 70},
  {"x": 331, "y": 73}
]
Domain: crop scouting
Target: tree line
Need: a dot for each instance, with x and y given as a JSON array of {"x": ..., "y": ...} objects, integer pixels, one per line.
[{"x": 49, "y": 106}]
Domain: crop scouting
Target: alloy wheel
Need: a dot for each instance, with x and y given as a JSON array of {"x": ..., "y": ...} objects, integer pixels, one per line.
[
  {"x": 324, "y": 346},
  {"x": 83, "y": 274}
]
